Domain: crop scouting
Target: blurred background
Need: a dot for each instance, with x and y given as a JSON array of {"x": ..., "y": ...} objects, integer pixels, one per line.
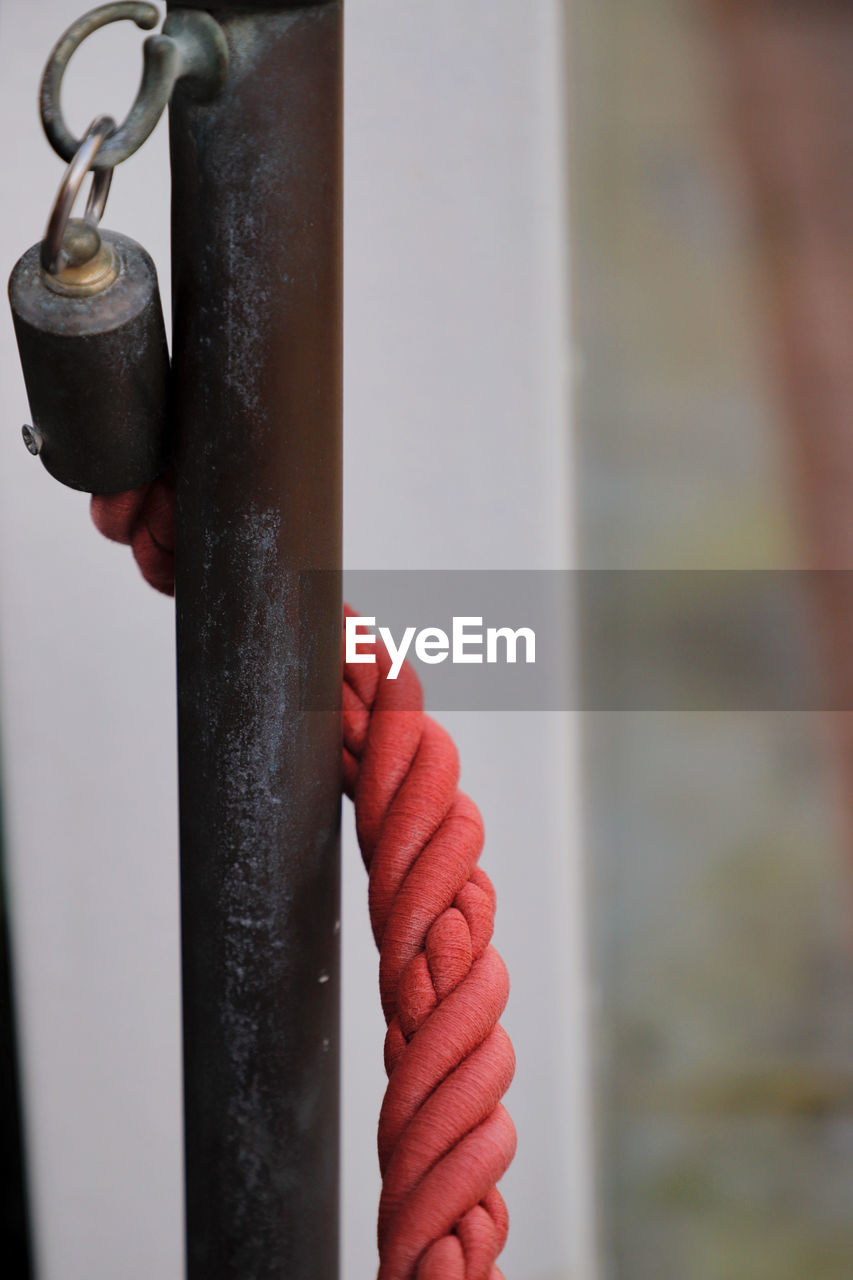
[
  {"x": 599, "y": 315},
  {"x": 712, "y": 296}
]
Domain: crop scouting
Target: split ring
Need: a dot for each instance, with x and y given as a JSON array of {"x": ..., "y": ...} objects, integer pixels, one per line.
[{"x": 69, "y": 189}]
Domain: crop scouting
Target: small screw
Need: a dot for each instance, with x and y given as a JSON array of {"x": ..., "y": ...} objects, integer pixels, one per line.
[{"x": 32, "y": 439}]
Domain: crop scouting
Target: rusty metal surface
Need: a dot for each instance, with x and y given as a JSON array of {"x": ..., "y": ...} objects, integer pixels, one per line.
[
  {"x": 96, "y": 367},
  {"x": 257, "y": 355}
]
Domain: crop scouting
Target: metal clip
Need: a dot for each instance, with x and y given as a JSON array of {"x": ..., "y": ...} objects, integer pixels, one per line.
[{"x": 191, "y": 47}]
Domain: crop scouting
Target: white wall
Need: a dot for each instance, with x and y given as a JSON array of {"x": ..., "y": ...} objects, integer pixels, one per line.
[{"x": 456, "y": 419}]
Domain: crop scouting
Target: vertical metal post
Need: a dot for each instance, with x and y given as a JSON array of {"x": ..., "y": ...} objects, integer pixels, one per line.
[
  {"x": 15, "y": 1243},
  {"x": 257, "y": 364}
]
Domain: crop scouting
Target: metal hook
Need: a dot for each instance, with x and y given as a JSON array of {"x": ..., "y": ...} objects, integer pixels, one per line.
[{"x": 191, "y": 46}]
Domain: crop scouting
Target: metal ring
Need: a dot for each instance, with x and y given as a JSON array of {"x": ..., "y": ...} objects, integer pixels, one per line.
[
  {"x": 191, "y": 45},
  {"x": 69, "y": 189}
]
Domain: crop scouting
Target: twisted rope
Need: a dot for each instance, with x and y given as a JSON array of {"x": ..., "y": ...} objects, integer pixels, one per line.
[
  {"x": 144, "y": 520},
  {"x": 444, "y": 1138}
]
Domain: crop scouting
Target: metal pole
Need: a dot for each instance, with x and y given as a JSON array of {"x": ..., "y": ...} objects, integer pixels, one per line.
[
  {"x": 14, "y": 1200},
  {"x": 257, "y": 371}
]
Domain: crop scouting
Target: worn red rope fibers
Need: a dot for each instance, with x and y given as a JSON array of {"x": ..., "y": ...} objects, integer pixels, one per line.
[{"x": 444, "y": 1138}]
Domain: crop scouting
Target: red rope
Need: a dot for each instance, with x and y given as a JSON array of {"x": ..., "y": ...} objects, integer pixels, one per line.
[{"x": 445, "y": 1140}]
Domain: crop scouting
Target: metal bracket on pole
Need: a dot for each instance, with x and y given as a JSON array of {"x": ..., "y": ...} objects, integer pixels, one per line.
[{"x": 191, "y": 47}]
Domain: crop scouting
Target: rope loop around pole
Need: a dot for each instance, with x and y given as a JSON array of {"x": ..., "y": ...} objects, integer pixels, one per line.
[{"x": 445, "y": 1139}]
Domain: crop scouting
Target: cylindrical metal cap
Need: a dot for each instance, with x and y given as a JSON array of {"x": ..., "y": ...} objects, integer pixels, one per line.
[{"x": 96, "y": 368}]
